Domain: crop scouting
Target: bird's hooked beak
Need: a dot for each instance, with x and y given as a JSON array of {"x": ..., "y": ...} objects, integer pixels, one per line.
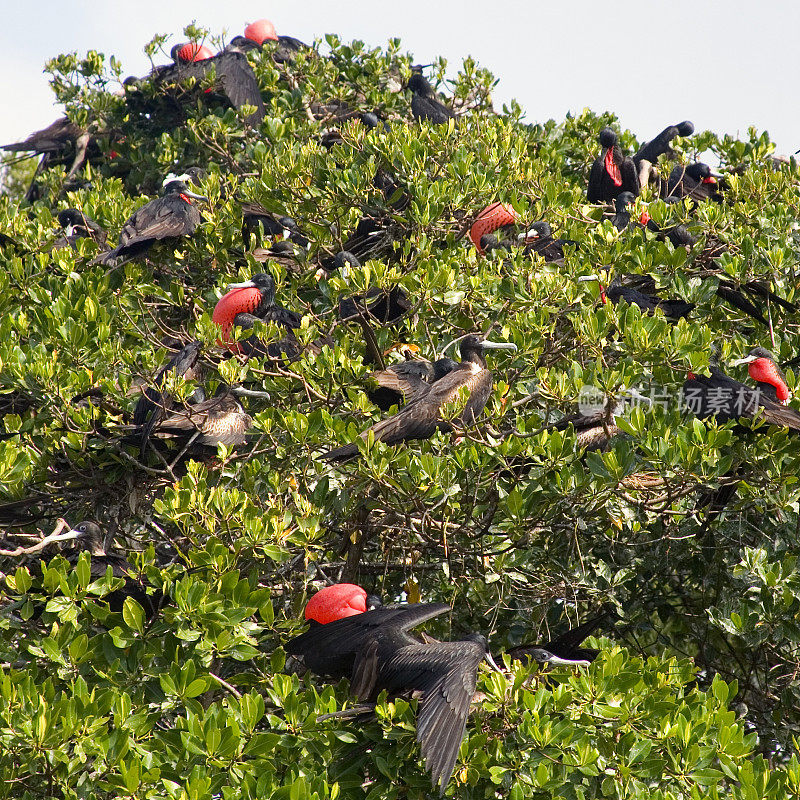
[
  {"x": 746, "y": 360},
  {"x": 587, "y": 278},
  {"x": 487, "y": 657},
  {"x": 487, "y": 345},
  {"x": 68, "y": 536},
  {"x": 194, "y": 196},
  {"x": 527, "y": 236},
  {"x": 242, "y": 285}
]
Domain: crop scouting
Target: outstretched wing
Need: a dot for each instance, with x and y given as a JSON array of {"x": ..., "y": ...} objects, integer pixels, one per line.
[
  {"x": 331, "y": 649},
  {"x": 446, "y": 674}
]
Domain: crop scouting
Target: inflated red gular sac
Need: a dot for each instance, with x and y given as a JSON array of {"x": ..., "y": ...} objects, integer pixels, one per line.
[
  {"x": 763, "y": 369},
  {"x": 493, "y": 217},
  {"x": 339, "y": 601}
]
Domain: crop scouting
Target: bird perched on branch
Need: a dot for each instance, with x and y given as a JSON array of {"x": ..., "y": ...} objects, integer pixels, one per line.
[
  {"x": 611, "y": 172},
  {"x": 376, "y": 652},
  {"x": 167, "y": 217},
  {"x": 458, "y": 397}
]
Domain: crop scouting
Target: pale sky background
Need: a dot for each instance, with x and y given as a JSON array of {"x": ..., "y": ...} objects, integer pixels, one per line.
[{"x": 725, "y": 65}]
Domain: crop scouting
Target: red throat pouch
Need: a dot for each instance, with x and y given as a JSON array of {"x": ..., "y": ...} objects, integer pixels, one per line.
[{"x": 611, "y": 167}]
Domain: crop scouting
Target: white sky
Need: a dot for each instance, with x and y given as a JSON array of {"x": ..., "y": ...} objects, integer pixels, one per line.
[{"x": 724, "y": 65}]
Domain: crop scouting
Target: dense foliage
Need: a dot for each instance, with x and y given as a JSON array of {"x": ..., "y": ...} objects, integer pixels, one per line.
[{"x": 696, "y": 692}]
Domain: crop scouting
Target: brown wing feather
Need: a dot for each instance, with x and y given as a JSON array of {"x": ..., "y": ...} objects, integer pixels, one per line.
[{"x": 165, "y": 223}]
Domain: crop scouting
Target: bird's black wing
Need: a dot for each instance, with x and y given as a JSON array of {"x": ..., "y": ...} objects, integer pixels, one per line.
[
  {"x": 594, "y": 193},
  {"x": 162, "y": 218},
  {"x": 409, "y": 379},
  {"x": 446, "y": 674},
  {"x": 331, "y": 649},
  {"x": 657, "y": 146},
  {"x": 240, "y": 84},
  {"x": 572, "y": 639},
  {"x": 630, "y": 177}
]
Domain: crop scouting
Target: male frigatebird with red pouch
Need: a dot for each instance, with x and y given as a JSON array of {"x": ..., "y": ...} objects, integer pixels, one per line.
[
  {"x": 377, "y": 653},
  {"x": 611, "y": 172}
]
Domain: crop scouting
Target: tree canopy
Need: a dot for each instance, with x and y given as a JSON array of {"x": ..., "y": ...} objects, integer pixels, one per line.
[{"x": 687, "y": 529}]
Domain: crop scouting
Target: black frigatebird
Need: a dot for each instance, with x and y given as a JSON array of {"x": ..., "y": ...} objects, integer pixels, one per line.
[
  {"x": 460, "y": 395},
  {"x": 611, "y": 172},
  {"x": 256, "y": 219},
  {"x": 639, "y": 290},
  {"x": 154, "y": 405},
  {"x": 252, "y": 301},
  {"x": 425, "y": 103},
  {"x": 496, "y": 216},
  {"x": 262, "y": 32},
  {"x": 695, "y": 181},
  {"x": 407, "y": 381},
  {"x": 720, "y": 396},
  {"x": 77, "y": 226},
  {"x": 233, "y": 73},
  {"x": 647, "y": 155},
  {"x": 377, "y": 652},
  {"x": 660, "y": 145},
  {"x": 167, "y": 217},
  {"x": 87, "y": 536},
  {"x": 564, "y": 650}
]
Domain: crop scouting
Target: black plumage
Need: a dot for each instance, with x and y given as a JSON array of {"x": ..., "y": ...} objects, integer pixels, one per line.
[
  {"x": 724, "y": 398},
  {"x": 661, "y": 145},
  {"x": 376, "y": 652},
  {"x": 233, "y": 73},
  {"x": 153, "y": 405},
  {"x": 425, "y": 103},
  {"x": 695, "y": 181},
  {"x": 611, "y": 172},
  {"x": 257, "y": 220},
  {"x": 640, "y": 290},
  {"x": 458, "y": 397},
  {"x": 564, "y": 650},
  {"x": 407, "y": 381},
  {"x": 622, "y": 217},
  {"x": 167, "y": 217},
  {"x": 77, "y": 226},
  {"x": 258, "y": 304}
]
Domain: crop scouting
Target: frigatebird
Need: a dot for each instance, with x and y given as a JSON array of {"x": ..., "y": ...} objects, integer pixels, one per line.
[
  {"x": 338, "y": 601},
  {"x": 377, "y": 652},
  {"x": 407, "y": 381},
  {"x": 611, "y": 172},
  {"x": 647, "y": 155},
  {"x": 496, "y": 216},
  {"x": 167, "y": 217},
  {"x": 660, "y": 145},
  {"x": 459, "y": 397},
  {"x": 59, "y": 139},
  {"x": 425, "y": 103},
  {"x": 153, "y": 405},
  {"x": 262, "y": 32},
  {"x": 87, "y": 536},
  {"x": 564, "y": 650},
  {"x": 639, "y": 290},
  {"x": 232, "y": 70},
  {"x": 537, "y": 240},
  {"x": 256, "y": 219},
  {"x": 77, "y": 226},
  {"x": 252, "y": 301},
  {"x": 622, "y": 217},
  {"x": 720, "y": 396},
  {"x": 218, "y": 420},
  {"x": 695, "y": 181}
]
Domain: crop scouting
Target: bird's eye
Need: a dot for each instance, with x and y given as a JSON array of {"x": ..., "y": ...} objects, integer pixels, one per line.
[{"x": 82, "y": 528}]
